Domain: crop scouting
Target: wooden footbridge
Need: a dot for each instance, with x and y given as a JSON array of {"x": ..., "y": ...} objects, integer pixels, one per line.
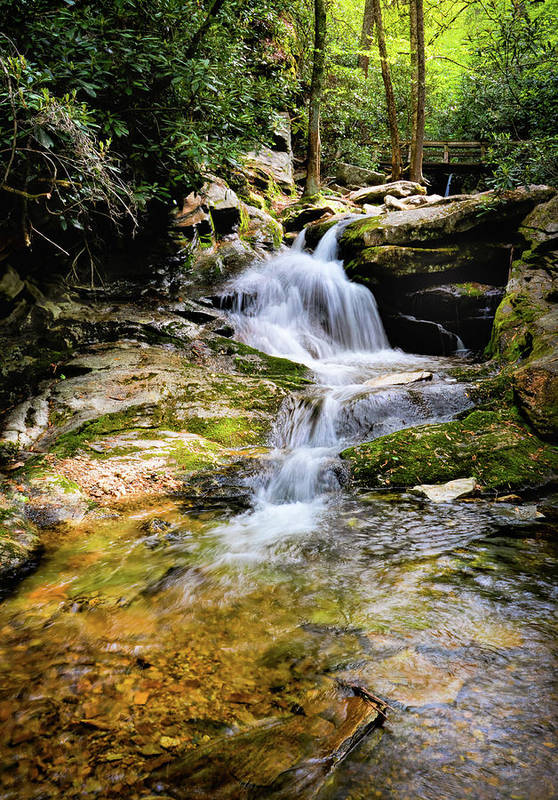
[{"x": 458, "y": 156}]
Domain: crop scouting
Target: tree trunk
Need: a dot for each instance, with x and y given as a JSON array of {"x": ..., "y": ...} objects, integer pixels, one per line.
[
  {"x": 390, "y": 98},
  {"x": 366, "y": 35},
  {"x": 418, "y": 88},
  {"x": 212, "y": 11},
  {"x": 312, "y": 184}
]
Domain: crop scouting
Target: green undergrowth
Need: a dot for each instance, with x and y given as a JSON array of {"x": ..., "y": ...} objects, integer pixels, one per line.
[{"x": 495, "y": 447}]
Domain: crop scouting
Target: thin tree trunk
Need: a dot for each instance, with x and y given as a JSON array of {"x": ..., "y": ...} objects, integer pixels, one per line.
[
  {"x": 312, "y": 184},
  {"x": 212, "y": 11},
  {"x": 390, "y": 98},
  {"x": 366, "y": 35},
  {"x": 418, "y": 88}
]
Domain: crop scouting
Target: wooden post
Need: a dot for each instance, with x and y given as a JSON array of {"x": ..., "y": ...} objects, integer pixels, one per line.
[{"x": 446, "y": 153}]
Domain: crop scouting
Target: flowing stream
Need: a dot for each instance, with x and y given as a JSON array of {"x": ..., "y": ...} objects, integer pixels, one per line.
[{"x": 173, "y": 630}]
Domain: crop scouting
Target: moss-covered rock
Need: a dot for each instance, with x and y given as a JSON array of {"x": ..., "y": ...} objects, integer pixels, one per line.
[
  {"x": 525, "y": 325},
  {"x": 494, "y": 447}
]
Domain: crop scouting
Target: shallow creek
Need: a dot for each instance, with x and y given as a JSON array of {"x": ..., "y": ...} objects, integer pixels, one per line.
[{"x": 170, "y": 629}]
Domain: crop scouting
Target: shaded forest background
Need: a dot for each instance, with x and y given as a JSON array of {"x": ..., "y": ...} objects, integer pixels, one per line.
[{"x": 112, "y": 111}]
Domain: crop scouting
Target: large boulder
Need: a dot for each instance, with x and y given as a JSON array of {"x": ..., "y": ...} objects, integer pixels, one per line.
[
  {"x": 224, "y": 206},
  {"x": 383, "y": 266},
  {"x": 483, "y": 213},
  {"x": 496, "y": 448},
  {"x": 351, "y": 175}
]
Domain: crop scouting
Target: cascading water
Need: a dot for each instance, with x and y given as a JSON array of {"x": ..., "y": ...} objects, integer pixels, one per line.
[{"x": 303, "y": 307}]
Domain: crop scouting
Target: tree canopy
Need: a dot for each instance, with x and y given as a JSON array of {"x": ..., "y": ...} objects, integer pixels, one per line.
[{"x": 109, "y": 108}]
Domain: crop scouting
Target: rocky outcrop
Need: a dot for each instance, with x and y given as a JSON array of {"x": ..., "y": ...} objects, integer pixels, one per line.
[
  {"x": 273, "y": 163},
  {"x": 524, "y": 334},
  {"x": 483, "y": 213},
  {"x": 494, "y": 447},
  {"x": 438, "y": 271}
]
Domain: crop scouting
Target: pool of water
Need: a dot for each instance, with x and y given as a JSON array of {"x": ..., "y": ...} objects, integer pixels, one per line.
[{"x": 145, "y": 636}]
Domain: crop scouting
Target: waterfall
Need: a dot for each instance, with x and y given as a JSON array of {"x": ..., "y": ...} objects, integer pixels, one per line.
[{"x": 303, "y": 307}]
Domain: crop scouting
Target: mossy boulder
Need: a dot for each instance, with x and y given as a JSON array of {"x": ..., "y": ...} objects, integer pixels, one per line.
[{"x": 495, "y": 447}]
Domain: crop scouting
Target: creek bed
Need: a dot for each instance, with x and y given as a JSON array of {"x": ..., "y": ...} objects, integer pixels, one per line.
[{"x": 131, "y": 647}]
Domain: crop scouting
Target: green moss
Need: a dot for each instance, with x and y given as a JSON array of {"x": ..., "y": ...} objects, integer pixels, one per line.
[
  {"x": 250, "y": 361},
  {"x": 8, "y": 452},
  {"x": 494, "y": 447},
  {"x": 512, "y": 337},
  {"x": 69, "y": 443},
  {"x": 229, "y": 431},
  {"x": 196, "y": 455}
]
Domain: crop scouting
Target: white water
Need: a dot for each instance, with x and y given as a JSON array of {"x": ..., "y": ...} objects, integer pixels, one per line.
[{"x": 303, "y": 307}]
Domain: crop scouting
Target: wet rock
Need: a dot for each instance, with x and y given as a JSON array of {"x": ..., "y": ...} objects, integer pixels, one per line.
[
  {"x": 494, "y": 447},
  {"x": 280, "y": 760},
  {"x": 351, "y": 175},
  {"x": 20, "y": 548},
  {"x": 465, "y": 309},
  {"x": 398, "y": 379},
  {"x": 446, "y": 492},
  {"x": 315, "y": 230},
  {"x": 419, "y": 335},
  {"x": 375, "y": 194}
]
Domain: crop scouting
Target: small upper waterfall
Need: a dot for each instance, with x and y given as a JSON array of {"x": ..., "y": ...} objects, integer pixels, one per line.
[{"x": 303, "y": 306}]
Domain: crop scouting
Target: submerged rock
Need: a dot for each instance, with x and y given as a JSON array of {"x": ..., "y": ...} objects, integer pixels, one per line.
[
  {"x": 494, "y": 447},
  {"x": 446, "y": 492},
  {"x": 288, "y": 758}
]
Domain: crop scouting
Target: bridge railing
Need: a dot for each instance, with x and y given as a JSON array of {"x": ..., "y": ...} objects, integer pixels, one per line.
[{"x": 443, "y": 152}]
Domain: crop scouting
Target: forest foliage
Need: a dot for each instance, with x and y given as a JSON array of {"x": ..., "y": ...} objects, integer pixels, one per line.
[{"x": 109, "y": 107}]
